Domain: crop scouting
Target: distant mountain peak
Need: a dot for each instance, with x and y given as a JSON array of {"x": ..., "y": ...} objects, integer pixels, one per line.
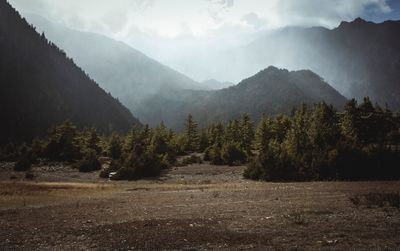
[
  {"x": 358, "y": 22},
  {"x": 271, "y": 70}
]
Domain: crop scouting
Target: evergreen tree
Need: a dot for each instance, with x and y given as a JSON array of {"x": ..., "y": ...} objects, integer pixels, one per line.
[
  {"x": 246, "y": 133},
  {"x": 160, "y": 140},
  {"x": 216, "y": 134},
  {"x": 350, "y": 120},
  {"x": 90, "y": 141},
  {"x": 232, "y": 132},
  {"x": 297, "y": 141},
  {"x": 204, "y": 140},
  {"x": 63, "y": 143},
  {"x": 263, "y": 134},
  {"x": 324, "y": 128},
  {"x": 279, "y": 127},
  {"x": 191, "y": 134},
  {"x": 115, "y": 146}
]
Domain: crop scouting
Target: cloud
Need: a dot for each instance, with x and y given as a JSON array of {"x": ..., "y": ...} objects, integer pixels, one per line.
[
  {"x": 174, "y": 18},
  {"x": 326, "y": 12},
  {"x": 223, "y": 3},
  {"x": 254, "y": 20},
  {"x": 96, "y": 15}
]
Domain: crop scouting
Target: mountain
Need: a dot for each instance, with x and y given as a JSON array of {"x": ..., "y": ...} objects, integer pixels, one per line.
[
  {"x": 212, "y": 84},
  {"x": 40, "y": 86},
  {"x": 271, "y": 91},
  {"x": 125, "y": 72},
  {"x": 357, "y": 58}
]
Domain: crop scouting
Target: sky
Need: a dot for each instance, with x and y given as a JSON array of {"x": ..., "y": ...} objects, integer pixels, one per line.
[
  {"x": 164, "y": 29},
  {"x": 202, "y": 18}
]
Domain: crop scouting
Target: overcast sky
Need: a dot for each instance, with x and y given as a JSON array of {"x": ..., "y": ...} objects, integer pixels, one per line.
[
  {"x": 201, "y": 18},
  {"x": 173, "y": 31}
]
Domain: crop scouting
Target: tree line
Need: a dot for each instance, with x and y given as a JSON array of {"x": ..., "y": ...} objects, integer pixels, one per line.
[{"x": 313, "y": 143}]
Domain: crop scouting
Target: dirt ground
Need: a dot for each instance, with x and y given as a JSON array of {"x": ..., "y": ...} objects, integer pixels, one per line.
[{"x": 198, "y": 207}]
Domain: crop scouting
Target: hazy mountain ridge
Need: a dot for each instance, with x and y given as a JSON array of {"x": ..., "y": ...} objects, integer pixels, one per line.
[
  {"x": 41, "y": 87},
  {"x": 271, "y": 91},
  {"x": 120, "y": 69},
  {"x": 357, "y": 58},
  {"x": 154, "y": 92},
  {"x": 213, "y": 84}
]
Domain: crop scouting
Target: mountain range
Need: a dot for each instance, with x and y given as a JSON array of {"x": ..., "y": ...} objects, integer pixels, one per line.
[
  {"x": 271, "y": 91},
  {"x": 41, "y": 87},
  {"x": 149, "y": 89},
  {"x": 118, "y": 68},
  {"x": 357, "y": 58}
]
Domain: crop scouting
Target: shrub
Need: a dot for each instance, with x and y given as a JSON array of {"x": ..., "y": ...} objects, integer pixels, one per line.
[
  {"x": 255, "y": 170},
  {"x": 193, "y": 159},
  {"x": 114, "y": 166},
  {"x": 167, "y": 161},
  {"x": 273, "y": 165},
  {"x": 207, "y": 154},
  {"x": 89, "y": 163},
  {"x": 231, "y": 154},
  {"x": 138, "y": 166},
  {"x": 29, "y": 176},
  {"x": 213, "y": 154},
  {"x": 24, "y": 163},
  {"x": 63, "y": 143}
]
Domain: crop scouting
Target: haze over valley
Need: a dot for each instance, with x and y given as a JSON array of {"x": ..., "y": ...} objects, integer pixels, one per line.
[{"x": 339, "y": 55}]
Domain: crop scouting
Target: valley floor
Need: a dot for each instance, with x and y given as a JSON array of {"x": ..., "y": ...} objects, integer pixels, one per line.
[{"x": 198, "y": 207}]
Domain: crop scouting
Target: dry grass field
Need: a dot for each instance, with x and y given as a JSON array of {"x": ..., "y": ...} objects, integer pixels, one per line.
[{"x": 198, "y": 207}]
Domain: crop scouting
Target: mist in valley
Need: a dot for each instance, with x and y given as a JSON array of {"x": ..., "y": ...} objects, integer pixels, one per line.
[{"x": 141, "y": 51}]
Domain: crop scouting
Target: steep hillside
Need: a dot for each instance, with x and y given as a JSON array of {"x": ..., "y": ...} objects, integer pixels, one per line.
[
  {"x": 40, "y": 86},
  {"x": 125, "y": 72}
]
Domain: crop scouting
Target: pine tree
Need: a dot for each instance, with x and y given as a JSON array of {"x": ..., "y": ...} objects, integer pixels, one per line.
[
  {"x": 263, "y": 134},
  {"x": 159, "y": 143},
  {"x": 246, "y": 133},
  {"x": 280, "y": 127},
  {"x": 324, "y": 128},
  {"x": 297, "y": 141},
  {"x": 232, "y": 132},
  {"x": 204, "y": 140},
  {"x": 216, "y": 134},
  {"x": 130, "y": 140},
  {"x": 350, "y": 120},
  {"x": 191, "y": 134},
  {"x": 91, "y": 140},
  {"x": 63, "y": 143},
  {"x": 115, "y": 146}
]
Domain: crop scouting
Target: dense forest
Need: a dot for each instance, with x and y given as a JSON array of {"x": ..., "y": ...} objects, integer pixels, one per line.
[
  {"x": 41, "y": 87},
  {"x": 317, "y": 142}
]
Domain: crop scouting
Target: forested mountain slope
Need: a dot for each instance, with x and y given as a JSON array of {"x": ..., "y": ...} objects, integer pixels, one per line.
[
  {"x": 40, "y": 86},
  {"x": 271, "y": 91}
]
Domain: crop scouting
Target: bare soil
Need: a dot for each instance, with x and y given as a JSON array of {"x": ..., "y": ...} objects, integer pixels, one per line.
[{"x": 198, "y": 207}]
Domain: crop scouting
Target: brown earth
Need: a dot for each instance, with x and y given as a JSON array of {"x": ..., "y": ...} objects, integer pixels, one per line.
[{"x": 198, "y": 207}]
